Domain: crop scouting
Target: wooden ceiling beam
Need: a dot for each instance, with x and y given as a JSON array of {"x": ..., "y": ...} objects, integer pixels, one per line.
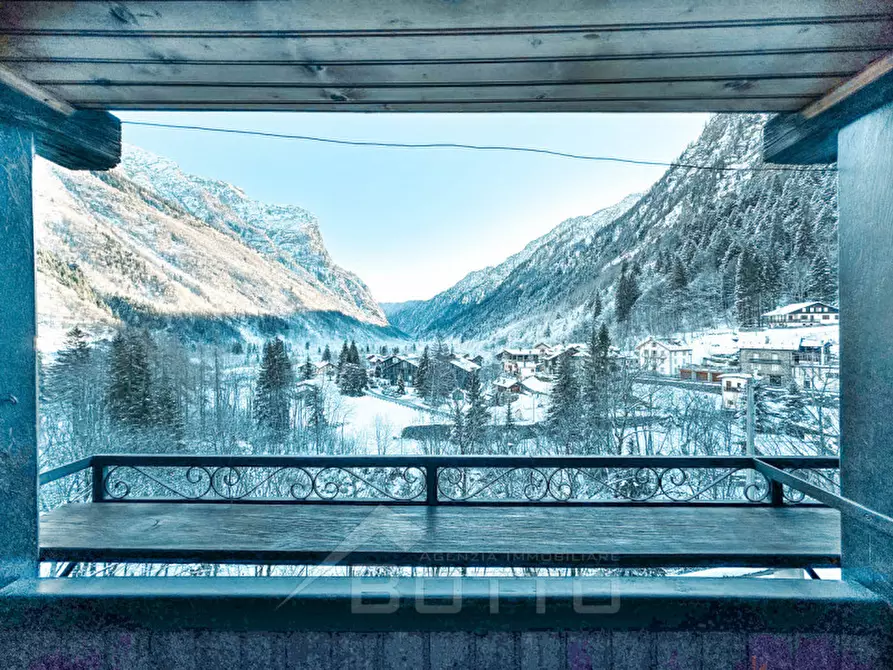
[
  {"x": 75, "y": 139},
  {"x": 810, "y": 135}
]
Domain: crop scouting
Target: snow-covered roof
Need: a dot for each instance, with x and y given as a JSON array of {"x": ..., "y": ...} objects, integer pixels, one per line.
[
  {"x": 505, "y": 382},
  {"x": 796, "y": 307},
  {"x": 778, "y": 339},
  {"x": 668, "y": 344},
  {"x": 465, "y": 364},
  {"x": 536, "y": 385},
  {"x": 520, "y": 352}
]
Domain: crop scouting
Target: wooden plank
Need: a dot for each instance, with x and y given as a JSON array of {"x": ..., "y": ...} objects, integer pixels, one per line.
[
  {"x": 452, "y": 651},
  {"x": 720, "y": 65},
  {"x": 18, "y": 359},
  {"x": 801, "y": 139},
  {"x": 277, "y": 47},
  {"x": 569, "y": 536},
  {"x": 325, "y": 15},
  {"x": 154, "y": 94},
  {"x": 83, "y": 140},
  {"x": 720, "y": 105}
]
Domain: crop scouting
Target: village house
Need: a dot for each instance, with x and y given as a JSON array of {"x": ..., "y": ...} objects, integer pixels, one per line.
[
  {"x": 399, "y": 366},
  {"x": 665, "y": 357},
  {"x": 521, "y": 362},
  {"x": 733, "y": 385},
  {"x": 774, "y": 355},
  {"x": 818, "y": 378},
  {"x": 462, "y": 368},
  {"x": 323, "y": 368},
  {"x": 811, "y": 313},
  {"x": 551, "y": 360}
]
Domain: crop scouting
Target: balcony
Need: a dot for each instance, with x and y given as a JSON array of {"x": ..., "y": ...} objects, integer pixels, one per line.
[{"x": 448, "y": 511}]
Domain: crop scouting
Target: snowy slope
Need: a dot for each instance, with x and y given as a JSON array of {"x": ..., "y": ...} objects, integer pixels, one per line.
[
  {"x": 146, "y": 241},
  {"x": 443, "y": 311},
  {"x": 699, "y": 219}
]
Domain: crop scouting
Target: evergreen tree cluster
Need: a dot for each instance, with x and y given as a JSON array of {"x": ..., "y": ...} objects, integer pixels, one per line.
[
  {"x": 352, "y": 377},
  {"x": 273, "y": 392}
]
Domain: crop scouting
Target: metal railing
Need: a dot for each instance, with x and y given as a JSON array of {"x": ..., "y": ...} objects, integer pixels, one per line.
[{"x": 456, "y": 480}]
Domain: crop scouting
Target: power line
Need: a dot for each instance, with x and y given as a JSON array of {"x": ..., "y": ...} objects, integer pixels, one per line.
[{"x": 477, "y": 147}]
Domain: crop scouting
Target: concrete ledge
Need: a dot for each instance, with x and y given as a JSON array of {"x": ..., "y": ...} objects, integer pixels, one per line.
[{"x": 444, "y": 604}]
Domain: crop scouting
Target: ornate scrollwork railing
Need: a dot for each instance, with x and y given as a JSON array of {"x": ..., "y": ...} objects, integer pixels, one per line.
[
  {"x": 580, "y": 484},
  {"x": 454, "y": 480},
  {"x": 236, "y": 483}
]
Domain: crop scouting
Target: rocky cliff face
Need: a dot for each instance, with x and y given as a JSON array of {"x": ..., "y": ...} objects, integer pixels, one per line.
[{"x": 148, "y": 243}]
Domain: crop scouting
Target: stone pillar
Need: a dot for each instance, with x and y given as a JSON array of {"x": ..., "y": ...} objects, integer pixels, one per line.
[
  {"x": 865, "y": 161},
  {"x": 18, "y": 360}
]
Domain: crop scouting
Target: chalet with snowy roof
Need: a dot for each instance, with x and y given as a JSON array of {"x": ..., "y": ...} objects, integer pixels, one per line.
[
  {"x": 665, "y": 357},
  {"x": 323, "y": 368},
  {"x": 812, "y": 313},
  {"x": 774, "y": 355},
  {"x": 462, "y": 369},
  {"x": 520, "y": 362},
  {"x": 397, "y": 366},
  {"x": 551, "y": 361}
]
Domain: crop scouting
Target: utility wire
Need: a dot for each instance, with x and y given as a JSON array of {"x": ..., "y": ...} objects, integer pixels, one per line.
[{"x": 478, "y": 147}]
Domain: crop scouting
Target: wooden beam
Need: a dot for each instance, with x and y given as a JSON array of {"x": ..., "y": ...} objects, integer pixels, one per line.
[
  {"x": 810, "y": 135},
  {"x": 18, "y": 360},
  {"x": 79, "y": 140}
]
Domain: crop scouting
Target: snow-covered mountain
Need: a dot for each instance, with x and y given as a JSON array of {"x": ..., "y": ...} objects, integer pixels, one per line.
[
  {"x": 699, "y": 220},
  {"x": 444, "y": 312},
  {"x": 147, "y": 243}
]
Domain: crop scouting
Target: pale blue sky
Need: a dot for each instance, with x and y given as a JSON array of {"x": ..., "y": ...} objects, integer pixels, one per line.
[{"x": 412, "y": 222}]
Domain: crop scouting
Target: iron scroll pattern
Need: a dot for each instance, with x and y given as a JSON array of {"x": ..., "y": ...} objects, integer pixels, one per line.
[
  {"x": 576, "y": 484},
  {"x": 238, "y": 483},
  {"x": 826, "y": 479}
]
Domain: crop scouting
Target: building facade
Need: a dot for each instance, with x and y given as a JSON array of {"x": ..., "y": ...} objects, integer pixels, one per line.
[
  {"x": 664, "y": 357},
  {"x": 802, "y": 314}
]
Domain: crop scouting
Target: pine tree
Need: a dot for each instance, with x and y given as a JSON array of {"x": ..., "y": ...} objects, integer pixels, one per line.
[
  {"x": 627, "y": 293},
  {"x": 273, "y": 391},
  {"x": 421, "y": 377},
  {"x": 307, "y": 369},
  {"x": 564, "y": 410},
  {"x": 70, "y": 382},
  {"x": 401, "y": 387},
  {"x": 509, "y": 415},
  {"x": 821, "y": 284},
  {"x": 129, "y": 393},
  {"x": 343, "y": 357},
  {"x": 477, "y": 416},
  {"x": 794, "y": 411},
  {"x": 679, "y": 278},
  {"x": 747, "y": 290},
  {"x": 597, "y": 306},
  {"x": 353, "y": 355},
  {"x": 327, "y": 354}
]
